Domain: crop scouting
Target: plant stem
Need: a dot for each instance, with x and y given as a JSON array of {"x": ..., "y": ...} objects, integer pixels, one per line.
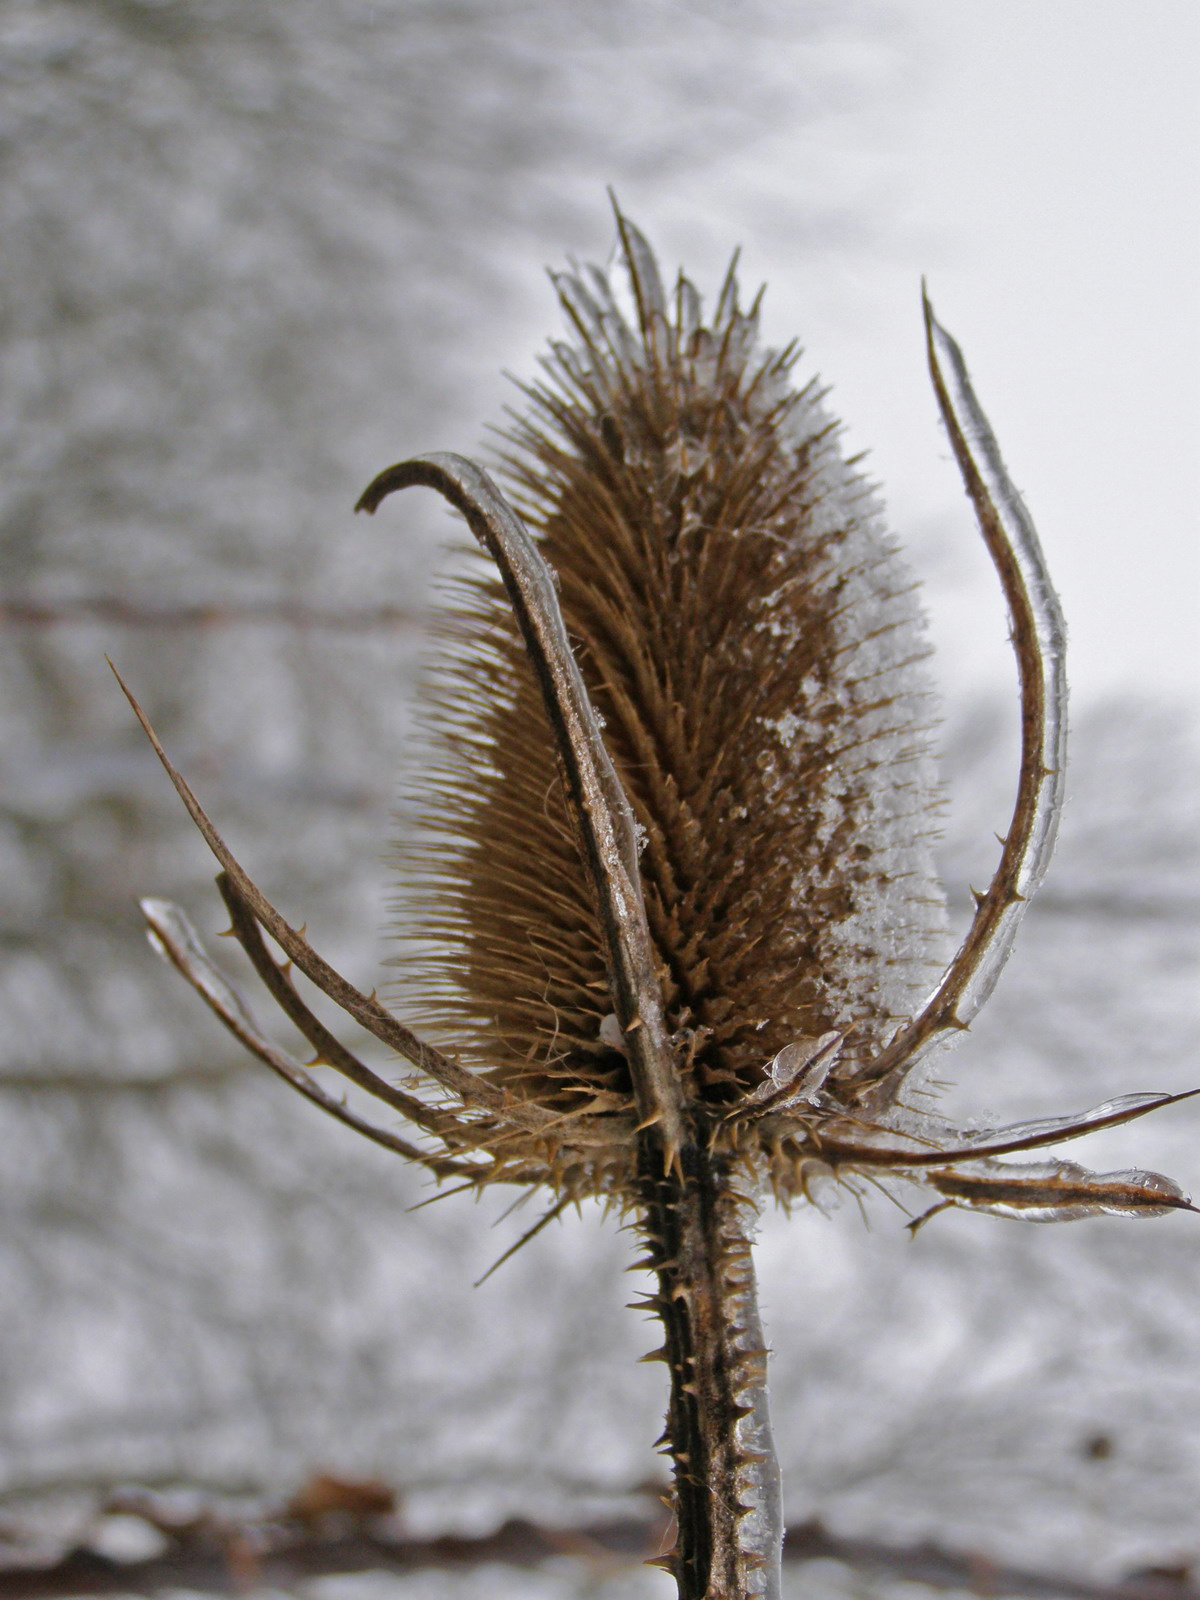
[{"x": 728, "y": 1503}]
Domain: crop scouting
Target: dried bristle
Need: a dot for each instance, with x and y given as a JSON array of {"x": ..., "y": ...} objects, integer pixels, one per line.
[{"x": 751, "y": 641}]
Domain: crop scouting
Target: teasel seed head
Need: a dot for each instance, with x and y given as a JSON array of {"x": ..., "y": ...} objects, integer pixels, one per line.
[{"x": 753, "y": 644}]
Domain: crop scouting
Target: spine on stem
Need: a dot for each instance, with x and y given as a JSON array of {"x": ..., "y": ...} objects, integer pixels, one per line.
[{"x": 718, "y": 1433}]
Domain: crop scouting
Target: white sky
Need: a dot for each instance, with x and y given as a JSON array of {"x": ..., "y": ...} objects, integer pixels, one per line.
[{"x": 1039, "y": 161}]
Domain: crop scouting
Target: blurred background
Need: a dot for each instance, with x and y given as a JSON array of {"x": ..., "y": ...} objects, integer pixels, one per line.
[{"x": 248, "y": 256}]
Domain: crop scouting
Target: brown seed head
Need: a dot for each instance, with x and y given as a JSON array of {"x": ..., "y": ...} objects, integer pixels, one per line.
[{"x": 752, "y": 642}]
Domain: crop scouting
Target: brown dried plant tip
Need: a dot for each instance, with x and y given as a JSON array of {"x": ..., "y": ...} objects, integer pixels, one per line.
[{"x": 678, "y": 934}]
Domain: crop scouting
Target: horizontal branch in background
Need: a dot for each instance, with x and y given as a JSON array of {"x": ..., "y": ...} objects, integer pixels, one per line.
[
  {"x": 112, "y": 611},
  {"x": 220, "y": 1555}
]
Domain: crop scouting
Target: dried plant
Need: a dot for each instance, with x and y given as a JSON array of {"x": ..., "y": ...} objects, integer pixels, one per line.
[{"x": 676, "y": 891}]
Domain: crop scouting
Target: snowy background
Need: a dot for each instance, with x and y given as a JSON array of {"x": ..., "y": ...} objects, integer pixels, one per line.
[{"x": 250, "y": 255}]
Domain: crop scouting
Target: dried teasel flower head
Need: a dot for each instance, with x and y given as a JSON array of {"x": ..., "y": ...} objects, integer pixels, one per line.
[
  {"x": 672, "y": 883},
  {"x": 751, "y": 642}
]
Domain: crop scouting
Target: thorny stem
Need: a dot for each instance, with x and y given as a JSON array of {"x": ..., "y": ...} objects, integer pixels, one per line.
[
  {"x": 727, "y": 1489},
  {"x": 728, "y": 1501}
]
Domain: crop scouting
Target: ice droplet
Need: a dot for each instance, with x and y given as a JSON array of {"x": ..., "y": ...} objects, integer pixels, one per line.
[
  {"x": 797, "y": 1073},
  {"x": 610, "y": 1033}
]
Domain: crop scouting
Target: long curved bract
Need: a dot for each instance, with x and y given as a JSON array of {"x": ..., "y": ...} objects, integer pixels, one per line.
[
  {"x": 594, "y": 790},
  {"x": 1039, "y": 644}
]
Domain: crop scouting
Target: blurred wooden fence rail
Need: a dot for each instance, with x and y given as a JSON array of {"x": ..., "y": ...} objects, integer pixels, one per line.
[
  {"x": 113, "y": 611},
  {"x": 230, "y": 1558}
]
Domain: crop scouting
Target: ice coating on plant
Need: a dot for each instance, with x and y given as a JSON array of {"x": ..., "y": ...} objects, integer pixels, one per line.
[
  {"x": 1039, "y": 645},
  {"x": 1053, "y": 1130},
  {"x": 1057, "y": 1191},
  {"x": 794, "y": 1077}
]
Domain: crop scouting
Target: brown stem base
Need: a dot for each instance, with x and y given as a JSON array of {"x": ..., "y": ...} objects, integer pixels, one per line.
[{"x": 727, "y": 1494}]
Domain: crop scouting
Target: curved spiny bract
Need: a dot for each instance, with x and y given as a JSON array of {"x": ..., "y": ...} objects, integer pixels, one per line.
[
  {"x": 1039, "y": 644},
  {"x": 596, "y": 803},
  {"x": 751, "y": 643}
]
